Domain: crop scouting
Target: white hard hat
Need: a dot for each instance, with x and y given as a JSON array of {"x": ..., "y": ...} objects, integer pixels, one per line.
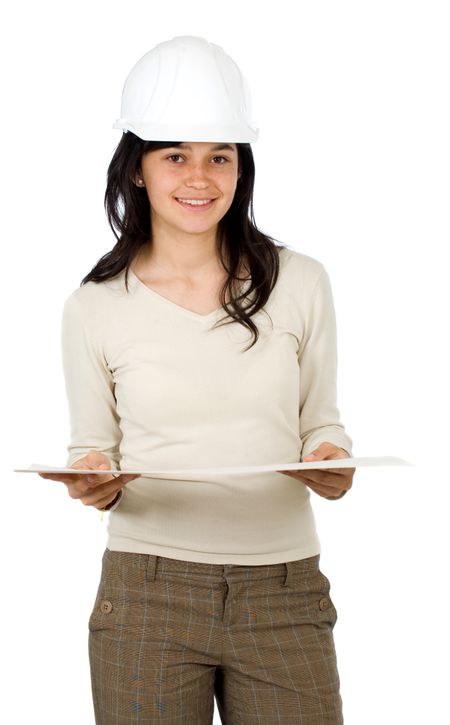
[{"x": 187, "y": 89}]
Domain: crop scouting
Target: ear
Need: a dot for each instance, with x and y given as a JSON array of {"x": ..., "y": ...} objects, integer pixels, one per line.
[{"x": 136, "y": 177}]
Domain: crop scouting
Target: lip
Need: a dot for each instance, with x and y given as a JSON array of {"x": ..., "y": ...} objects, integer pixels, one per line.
[{"x": 196, "y": 207}]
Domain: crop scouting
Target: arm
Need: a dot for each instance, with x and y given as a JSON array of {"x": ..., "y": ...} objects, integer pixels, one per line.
[
  {"x": 319, "y": 415},
  {"x": 317, "y": 355},
  {"x": 94, "y": 422}
]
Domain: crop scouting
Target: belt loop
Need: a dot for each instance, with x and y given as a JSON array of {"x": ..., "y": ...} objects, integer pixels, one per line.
[
  {"x": 150, "y": 573},
  {"x": 289, "y": 573}
]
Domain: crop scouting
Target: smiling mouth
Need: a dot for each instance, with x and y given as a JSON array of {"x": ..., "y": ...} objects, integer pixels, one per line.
[{"x": 196, "y": 204}]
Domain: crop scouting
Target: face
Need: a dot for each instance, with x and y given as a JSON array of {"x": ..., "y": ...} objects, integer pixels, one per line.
[{"x": 193, "y": 171}]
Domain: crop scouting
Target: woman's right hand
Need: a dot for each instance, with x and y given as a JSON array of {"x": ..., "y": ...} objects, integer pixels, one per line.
[{"x": 102, "y": 490}]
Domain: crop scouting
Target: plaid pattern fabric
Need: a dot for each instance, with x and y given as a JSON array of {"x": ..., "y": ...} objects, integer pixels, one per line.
[{"x": 167, "y": 636}]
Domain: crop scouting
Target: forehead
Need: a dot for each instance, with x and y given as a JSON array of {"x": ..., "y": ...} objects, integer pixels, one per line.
[{"x": 206, "y": 146}]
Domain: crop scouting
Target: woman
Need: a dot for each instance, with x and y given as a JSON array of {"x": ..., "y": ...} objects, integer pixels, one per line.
[{"x": 210, "y": 584}]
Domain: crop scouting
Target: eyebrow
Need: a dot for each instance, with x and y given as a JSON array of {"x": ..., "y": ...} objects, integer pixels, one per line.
[{"x": 217, "y": 147}]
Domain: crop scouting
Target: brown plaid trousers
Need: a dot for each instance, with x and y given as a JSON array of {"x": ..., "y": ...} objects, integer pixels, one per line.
[{"x": 167, "y": 636}]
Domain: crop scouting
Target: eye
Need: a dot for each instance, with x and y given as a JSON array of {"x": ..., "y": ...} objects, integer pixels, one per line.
[{"x": 178, "y": 156}]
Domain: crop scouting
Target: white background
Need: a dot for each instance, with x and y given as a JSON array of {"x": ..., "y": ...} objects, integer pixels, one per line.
[{"x": 352, "y": 168}]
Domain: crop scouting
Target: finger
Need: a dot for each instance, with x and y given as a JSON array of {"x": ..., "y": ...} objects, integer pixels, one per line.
[
  {"x": 325, "y": 490},
  {"x": 126, "y": 478},
  {"x": 62, "y": 477},
  {"x": 327, "y": 477},
  {"x": 344, "y": 471},
  {"x": 101, "y": 503},
  {"x": 116, "y": 485},
  {"x": 97, "y": 479},
  {"x": 313, "y": 475},
  {"x": 92, "y": 497},
  {"x": 325, "y": 450},
  {"x": 333, "y": 488},
  {"x": 56, "y": 476},
  {"x": 333, "y": 482}
]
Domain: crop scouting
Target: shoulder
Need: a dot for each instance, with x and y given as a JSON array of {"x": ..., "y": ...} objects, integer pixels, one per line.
[
  {"x": 84, "y": 298},
  {"x": 94, "y": 300},
  {"x": 298, "y": 268},
  {"x": 92, "y": 297}
]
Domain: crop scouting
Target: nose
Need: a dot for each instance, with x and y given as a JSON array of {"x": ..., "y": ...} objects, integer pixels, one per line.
[{"x": 197, "y": 177}]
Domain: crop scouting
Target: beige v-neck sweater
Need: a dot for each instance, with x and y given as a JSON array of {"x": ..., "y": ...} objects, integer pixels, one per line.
[{"x": 151, "y": 386}]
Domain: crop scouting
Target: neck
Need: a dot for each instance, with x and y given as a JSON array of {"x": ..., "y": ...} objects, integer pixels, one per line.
[{"x": 174, "y": 253}]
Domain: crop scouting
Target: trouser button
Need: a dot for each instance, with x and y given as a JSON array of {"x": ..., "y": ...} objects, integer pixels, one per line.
[
  {"x": 106, "y": 606},
  {"x": 324, "y": 603}
]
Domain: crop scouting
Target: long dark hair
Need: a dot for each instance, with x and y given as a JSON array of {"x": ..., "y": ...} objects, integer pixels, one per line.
[{"x": 238, "y": 238}]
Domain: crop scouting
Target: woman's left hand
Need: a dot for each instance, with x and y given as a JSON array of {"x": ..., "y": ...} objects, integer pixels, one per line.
[{"x": 329, "y": 482}]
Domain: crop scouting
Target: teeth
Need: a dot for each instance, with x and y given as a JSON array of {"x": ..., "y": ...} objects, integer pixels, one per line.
[{"x": 195, "y": 202}]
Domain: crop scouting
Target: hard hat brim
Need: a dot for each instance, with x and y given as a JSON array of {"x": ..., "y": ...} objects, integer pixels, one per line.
[{"x": 235, "y": 133}]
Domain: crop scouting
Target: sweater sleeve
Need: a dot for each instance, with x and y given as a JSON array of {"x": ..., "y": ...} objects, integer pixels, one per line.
[
  {"x": 319, "y": 415},
  {"x": 94, "y": 422}
]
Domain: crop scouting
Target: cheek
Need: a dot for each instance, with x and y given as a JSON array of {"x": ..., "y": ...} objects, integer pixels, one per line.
[
  {"x": 160, "y": 193},
  {"x": 228, "y": 184}
]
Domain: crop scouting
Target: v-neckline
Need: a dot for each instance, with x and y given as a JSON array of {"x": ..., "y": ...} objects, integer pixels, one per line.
[{"x": 184, "y": 310}]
